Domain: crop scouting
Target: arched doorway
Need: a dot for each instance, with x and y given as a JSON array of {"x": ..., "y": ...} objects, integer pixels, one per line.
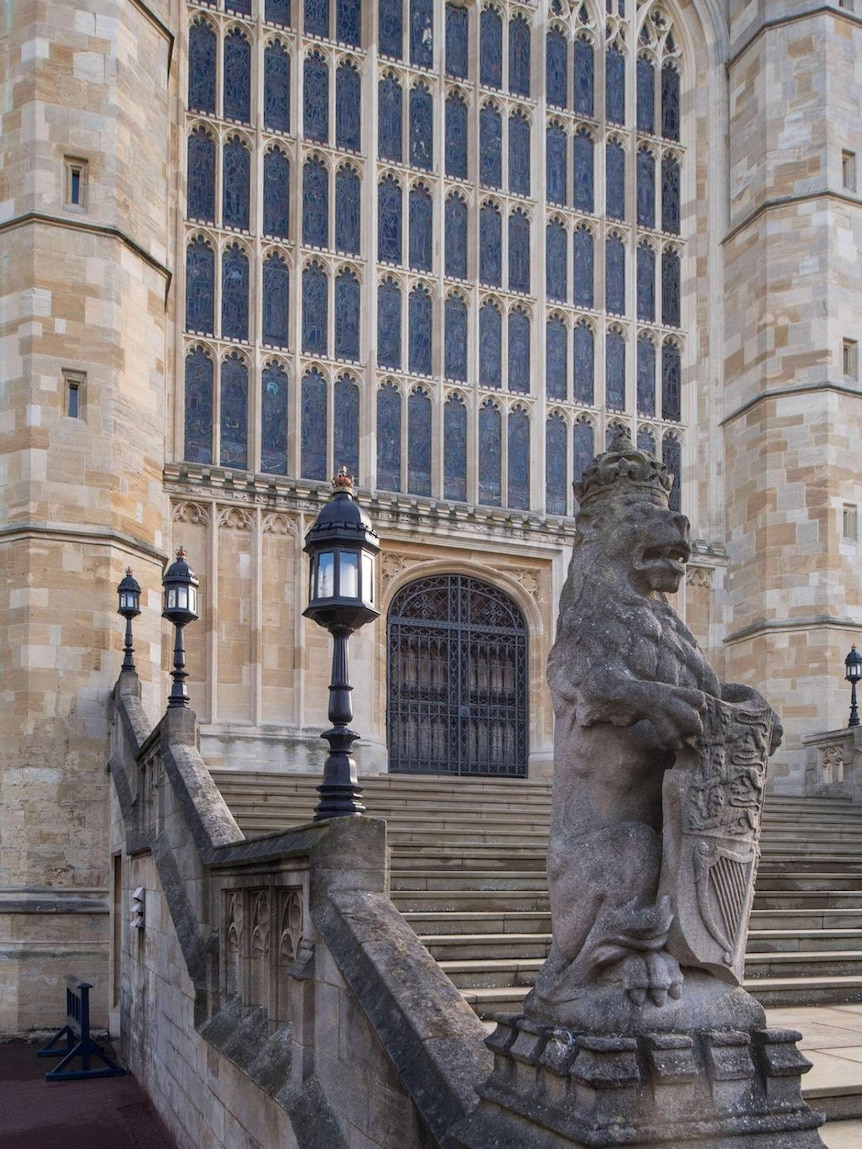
[{"x": 457, "y": 679}]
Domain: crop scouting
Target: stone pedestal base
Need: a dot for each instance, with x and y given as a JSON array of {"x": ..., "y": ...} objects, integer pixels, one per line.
[{"x": 714, "y": 1089}]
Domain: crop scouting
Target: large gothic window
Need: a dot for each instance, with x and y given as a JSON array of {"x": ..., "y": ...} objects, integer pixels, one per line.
[
  {"x": 670, "y": 289},
  {"x": 491, "y": 48},
  {"x": 556, "y": 465},
  {"x": 421, "y": 214},
  {"x": 457, "y": 679},
  {"x": 670, "y": 102},
  {"x": 585, "y": 355},
  {"x": 276, "y": 193},
  {"x": 316, "y": 17},
  {"x": 671, "y": 381},
  {"x": 315, "y": 204},
  {"x": 316, "y": 98},
  {"x": 646, "y": 282},
  {"x": 348, "y": 107},
  {"x": 557, "y": 69},
  {"x": 615, "y": 275},
  {"x": 346, "y": 424},
  {"x": 390, "y": 34},
  {"x": 275, "y": 297},
  {"x": 273, "y": 420},
  {"x": 670, "y": 187},
  {"x": 421, "y": 128},
  {"x": 490, "y": 454},
  {"x": 389, "y": 113},
  {"x": 276, "y": 88},
  {"x": 202, "y": 67},
  {"x": 456, "y": 137},
  {"x": 456, "y": 237},
  {"x": 198, "y": 446},
  {"x": 348, "y": 21},
  {"x": 347, "y": 208},
  {"x": 646, "y": 376},
  {"x": 201, "y": 159},
  {"x": 455, "y": 449},
  {"x": 234, "y": 293},
  {"x": 313, "y": 427},
  {"x": 455, "y": 342},
  {"x": 556, "y": 164},
  {"x": 615, "y": 85},
  {"x": 645, "y": 95},
  {"x": 389, "y": 325},
  {"x": 583, "y": 160},
  {"x": 584, "y": 447},
  {"x": 615, "y": 179},
  {"x": 421, "y": 34},
  {"x": 519, "y": 56},
  {"x": 490, "y": 345},
  {"x": 519, "y": 252},
  {"x": 236, "y": 184},
  {"x": 237, "y": 77},
  {"x": 200, "y": 286},
  {"x": 490, "y": 245},
  {"x": 556, "y": 359},
  {"x": 389, "y": 438},
  {"x": 584, "y": 72},
  {"x": 519, "y": 154},
  {"x": 615, "y": 370},
  {"x": 389, "y": 221},
  {"x": 490, "y": 146},
  {"x": 347, "y": 306},
  {"x": 518, "y": 459},
  {"x": 519, "y": 351},
  {"x": 646, "y": 188},
  {"x": 556, "y": 261},
  {"x": 457, "y": 19},
  {"x": 419, "y": 442},
  {"x": 419, "y": 331},
  {"x": 315, "y": 309},
  {"x": 584, "y": 273},
  {"x": 234, "y": 412}
]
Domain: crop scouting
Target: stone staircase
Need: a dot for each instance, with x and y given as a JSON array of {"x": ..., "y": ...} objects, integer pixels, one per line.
[{"x": 468, "y": 874}]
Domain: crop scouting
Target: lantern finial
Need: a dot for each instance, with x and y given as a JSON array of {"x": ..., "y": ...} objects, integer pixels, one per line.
[{"x": 343, "y": 481}]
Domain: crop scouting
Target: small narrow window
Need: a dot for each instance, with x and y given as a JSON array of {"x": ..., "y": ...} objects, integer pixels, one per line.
[
  {"x": 76, "y": 182},
  {"x": 74, "y": 388},
  {"x": 847, "y": 5},
  {"x": 850, "y": 522},
  {"x": 850, "y": 358},
  {"x": 848, "y": 170}
]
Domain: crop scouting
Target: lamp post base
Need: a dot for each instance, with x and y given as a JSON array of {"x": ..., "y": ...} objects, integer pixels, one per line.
[{"x": 340, "y": 792}]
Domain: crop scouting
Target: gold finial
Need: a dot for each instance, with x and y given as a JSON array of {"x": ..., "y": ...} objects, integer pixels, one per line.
[
  {"x": 181, "y": 552},
  {"x": 343, "y": 481}
]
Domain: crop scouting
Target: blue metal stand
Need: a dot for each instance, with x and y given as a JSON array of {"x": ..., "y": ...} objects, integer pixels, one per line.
[{"x": 76, "y": 1031}]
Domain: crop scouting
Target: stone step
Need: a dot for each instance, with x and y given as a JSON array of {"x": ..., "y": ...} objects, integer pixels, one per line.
[
  {"x": 468, "y": 880},
  {"x": 474, "y": 858},
  {"x": 808, "y": 899},
  {"x": 795, "y": 941},
  {"x": 474, "y": 947},
  {"x": 493, "y": 974},
  {"x": 478, "y": 922},
  {"x": 460, "y": 901},
  {"x": 804, "y": 964},
  {"x": 812, "y": 919},
  {"x": 768, "y": 882}
]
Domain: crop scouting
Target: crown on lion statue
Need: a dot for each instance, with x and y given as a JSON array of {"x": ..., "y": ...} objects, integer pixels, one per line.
[{"x": 622, "y": 469}]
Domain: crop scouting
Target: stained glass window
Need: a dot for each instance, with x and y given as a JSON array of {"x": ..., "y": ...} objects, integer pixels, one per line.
[
  {"x": 556, "y": 359},
  {"x": 273, "y": 420},
  {"x": 615, "y": 370},
  {"x": 456, "y": 41},
  {"x": 348, "y": 107},
  {"x": 671, "y": 456},
  {"x": 315, "y": 204},
  {"x": 346, "y": 444},
  {"x": 556, "y": 167},
  {"x": 585, "y": 368},
  {"x": 316, "y": 98},
  {"x": 584, "y": 77},
  {"x": 646, "y": 376},
  {"x": 455, "y": 342},
  {"x": 615, "y": 275},
  {"x": 556, "y": 447},
  {"x": 646, "y": 282},
  {"x": 389, "y": 325},
  {"x": 390, "y": 37},
  {"x": 490, "y": 454},
  {"x": 419, "y": 331},
  {"x": 490, "y": 245},
  {"x": 276, "y": 193},
  {"x": 235, "y": 189},
  {"x": 419, "y": 437},
  {"x": 389, "y": 438},
  {"x": 347, "y": 303},
  {"x": 276, "y": 88},
  {"x": 519, "y": 154},
  {"x": 490, "y": 146},
  {"x": 237, "y": 77},
  {"x": 671, "y": 381},
  {"x": 490, "y": 346},
  {"x": 275, "y": 295},
  {"x": 585, "y": 447},
  {"x": 584, "y": 274},
  {"x": 389, "y": 220},
  {"x": 313, "y": 427},
  {"x": 615, "y": 177},
  {"x": 519, "y": 351},
  {"x": 455, "y": 449},
  {"x": 646, "y": 95},
  {"x": 557, "y": 69},
  {"x": 348, "y": 21},
  {"x": 456, "y": 237},
  {"x": 670, "y": 102},
  {"x": 421, "y": 210},
  {"x": 421, "y": 128},
  {"x": 234, "y": 293},
  {"x": 518, "y": 494},
  {"x": 615, "y": 86},
  {"x": 583, "y": 164},
  {"x": 278, "y": 12},
  {"x": 491, "y": 48},
  {"x": 315, "y": 309},
  {"x": 646, "y": 188},
  {"x": 421, "y": 35},
  {"x": 646, "y": 440},
  {"x": 556, "y": 261},
  {"x": 456, "y": 137},
  {"x": 670, "y": 289},
  {"x": 670, "y": 194},
  {"x": 519, "y": 252},
  {"x": 234, "y": 413},
  {"x": 519, "y": 56},
  {"x": 389, "y": 119},
  {"x": 202, "y": 67},
  {"x": 199, "y": 407},
  {"x": 200, "y": 286},
  {"x": 316, "y": 17},
  {"x": 201, "y": 194},
  {"x": 347, "y": 192}
]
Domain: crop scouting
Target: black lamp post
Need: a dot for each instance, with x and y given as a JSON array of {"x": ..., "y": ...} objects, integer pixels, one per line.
[
  {"x": 129, "y": 594},
  {"x": 342, "y": 546},
  {"x": 853, "y": 672},
  {"x": 181, "y": 600}
]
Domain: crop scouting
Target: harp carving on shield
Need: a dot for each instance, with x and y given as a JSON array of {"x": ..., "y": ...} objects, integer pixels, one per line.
[{"x": 713, "y": 799}]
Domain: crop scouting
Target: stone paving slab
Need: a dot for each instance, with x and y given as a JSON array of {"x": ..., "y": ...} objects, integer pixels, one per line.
[
  {"x": 102, "y": 1113},
  {"x": 842, "y": 1134}
]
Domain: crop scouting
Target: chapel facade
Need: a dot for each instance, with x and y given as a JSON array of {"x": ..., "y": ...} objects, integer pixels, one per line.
[{"x": 455, "y": 247}]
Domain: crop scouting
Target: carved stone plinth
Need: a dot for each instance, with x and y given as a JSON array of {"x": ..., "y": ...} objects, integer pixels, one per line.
[{"x": 713, "y": 1089}]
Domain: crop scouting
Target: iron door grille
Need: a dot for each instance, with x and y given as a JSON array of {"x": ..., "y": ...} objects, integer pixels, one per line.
[{"x": 457, "y": 679}]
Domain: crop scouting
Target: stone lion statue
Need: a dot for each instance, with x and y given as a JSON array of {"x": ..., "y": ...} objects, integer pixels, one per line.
[{"x": 630, "y": 688}]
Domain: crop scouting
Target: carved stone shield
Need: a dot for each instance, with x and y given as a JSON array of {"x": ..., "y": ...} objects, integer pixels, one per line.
[{"x": 712, "y": 801}]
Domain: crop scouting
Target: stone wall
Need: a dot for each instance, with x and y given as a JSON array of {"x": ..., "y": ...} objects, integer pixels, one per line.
[{"x": 274, "y": 995}]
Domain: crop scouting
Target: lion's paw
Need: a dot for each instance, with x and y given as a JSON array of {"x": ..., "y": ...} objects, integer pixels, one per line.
[{"x": 656, "y": 976}]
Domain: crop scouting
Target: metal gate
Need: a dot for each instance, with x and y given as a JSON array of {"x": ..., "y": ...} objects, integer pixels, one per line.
[{"x": 457, "y": 679}]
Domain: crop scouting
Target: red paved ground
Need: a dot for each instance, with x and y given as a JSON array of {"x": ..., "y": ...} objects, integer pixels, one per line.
[{"x": 103, "y": 1113}]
